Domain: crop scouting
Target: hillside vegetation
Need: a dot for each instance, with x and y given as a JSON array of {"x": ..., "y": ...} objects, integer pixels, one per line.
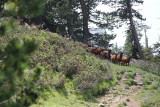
[
  {"x": 72, "y": 76},
  {"x": 65, "y": 62}
]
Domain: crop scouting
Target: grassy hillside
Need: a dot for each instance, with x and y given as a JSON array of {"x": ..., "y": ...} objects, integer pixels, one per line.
[
  {"x": 66, "y": 65},
  {"x": 73, "y": 77}
]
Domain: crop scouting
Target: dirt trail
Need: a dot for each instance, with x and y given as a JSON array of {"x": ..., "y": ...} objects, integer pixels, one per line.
[{"x": 123, "y": 93}]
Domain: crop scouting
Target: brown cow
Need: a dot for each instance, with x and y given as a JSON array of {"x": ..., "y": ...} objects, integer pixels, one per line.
[
  {"x": 40, "y": 27},
  {"x": 114, "y": 57},
  {"x": 109, "y": 54},
  {"x": 119, "y": 58},
  {"x": 92, "y": 49},
  {"x": 98, "y": 51},
  {"x": 85, "y": 45},
  {"x": 22, "y": 22},
  {"x": 33, "y": 26},
  {"x": 126, "y": 60},
  {"x": 104, "y": 54}
]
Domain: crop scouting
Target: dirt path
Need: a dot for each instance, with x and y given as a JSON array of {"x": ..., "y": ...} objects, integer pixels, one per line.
[{"x": 123, "y": 93}]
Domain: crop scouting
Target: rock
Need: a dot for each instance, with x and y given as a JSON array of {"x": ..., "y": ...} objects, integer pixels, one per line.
[
  {"x": 110, "y": 99},
  {"x": 138, "y": 73},
  {"x": 124, "y": 79},
  {"x": 134, "y": 80},
  {"x": 140, "y": 84},
  {"x": 128, "y": 100},
  {"x": 104, "y": 102},
  {"x": 114, "y": 88},
  {"x": 54, "y": 87},
  {"x": 101, "y": 105},
  {"x": 87, "y": 105}
]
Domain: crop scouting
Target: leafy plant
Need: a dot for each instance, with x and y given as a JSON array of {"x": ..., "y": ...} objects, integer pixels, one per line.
[
  {"x": 13, "y": 85},
  {"x": 130, "y": 75},
  {"x": 147, "y": 81}
]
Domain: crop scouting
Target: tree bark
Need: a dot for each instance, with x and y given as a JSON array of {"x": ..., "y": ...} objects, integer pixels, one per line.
[
  {"x": 85, "y": 14},
  {"x": 134, "y": 32},
  {"x": 70, "y": 28}
]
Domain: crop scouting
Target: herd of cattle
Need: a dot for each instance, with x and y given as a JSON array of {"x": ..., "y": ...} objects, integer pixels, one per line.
[
  {"x": 106, "y": 54},
  {"x": 114, "y": 57}
]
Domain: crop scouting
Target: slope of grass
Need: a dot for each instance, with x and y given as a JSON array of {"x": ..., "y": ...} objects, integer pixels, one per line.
[
  {"x": 56, "y": 99},
  {"x": 66, "y": 66}
]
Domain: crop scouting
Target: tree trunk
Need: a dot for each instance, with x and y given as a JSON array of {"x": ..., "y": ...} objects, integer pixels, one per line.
[
  {"x": 2, "y": 2},
  {"x": 70, "y": 28},
  {"x": 85, "y": 14},
  {"x": 70, "y": 22},
  {"x": 134, "y": 32}
]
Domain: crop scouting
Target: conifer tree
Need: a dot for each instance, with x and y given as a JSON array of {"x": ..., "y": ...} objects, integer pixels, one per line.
[
  {"x": 72, "y": 17},
  {"x": 125, "y": 12}
]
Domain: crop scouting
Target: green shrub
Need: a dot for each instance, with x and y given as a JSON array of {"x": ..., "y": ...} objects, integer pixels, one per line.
[
  {"x": 87, "y": 79},
  {"x": 119, "y": 76},
  {"x": 127, "y": 87},
  {"x": 146, "y": 87},
  {"x": 130, "y": 75},
  {"x": 147, "y": 81},
  {"x": 147, "y": 66},
  {"x": 129, "y": 71},
  {"x": 124, "y": 103},
  {"x": 120, "y": 105},
  {"x": 70, "y": 65},
  {"x": 15, "y": 84},
  {"x": 151, "y": 101},
  {"x": 154, "y": 86},
  {"x": 99, "y": 89},
  {"x": 59, "y": 80},
  {"x": 130, "y": 82},
  {"x": 130, "y": 78}
]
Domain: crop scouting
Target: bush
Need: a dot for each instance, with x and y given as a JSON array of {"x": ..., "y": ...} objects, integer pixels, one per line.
[
  {"x": 16, "y": 88},
  {"x": 99, "y": 89},
  {"x": 154, "y": 86},
  {"x": 122, "y": 104},
  {"x": 59, "y": 80},
  {"x": 150, "y": 101},
  {"x": 147, "y": 81},
  {"x": 130, "y": 75},
  {"x": 70, "y": 65},
  {"x": 147, "y": 65},
  {"x": 118, "y": 76},
  {"x": 95, "y": 72},
  {"x": 130, "y": 82},
  {"x": 146, "y": 87},
  {"x": 87, "y": 79}
]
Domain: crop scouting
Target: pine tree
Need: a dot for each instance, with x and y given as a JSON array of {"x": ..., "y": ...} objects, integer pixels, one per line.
[
  {"x": 115, "y": 48},
  {"x": 70, "y": 18},
  {"x": 61, "y": 16},
  {"x": 126, "y": 13},
  {"x": 103, "y": 40}
]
